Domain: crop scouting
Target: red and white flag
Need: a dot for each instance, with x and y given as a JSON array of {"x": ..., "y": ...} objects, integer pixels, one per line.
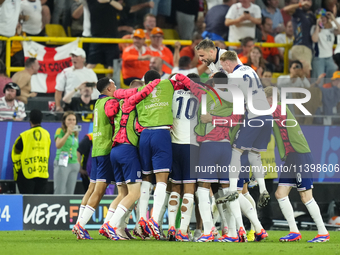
[{"x": 52, "y": 61}]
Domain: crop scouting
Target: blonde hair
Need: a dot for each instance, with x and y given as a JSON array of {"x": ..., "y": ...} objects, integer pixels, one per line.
[
  {"x": 229, "y": 55},
  {"x": 136, "y": 84},
  {"x": 269, "y": 92}
]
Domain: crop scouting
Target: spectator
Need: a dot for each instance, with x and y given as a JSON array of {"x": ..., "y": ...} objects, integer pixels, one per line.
[
  {"x": 287, "y": 15},
  {"x": 337, "y": 49},
  {"x": 323, "y": 38},
  {"x": 23, "y": 79},
  {"x": 83, "y": 104},
  {"x": 271, "y": 55},
  {"x": 212, "y": 3},
  {"x": 256, "y": 61},
  {"x": 103, "y": 15},
  {"x": 66, "y": 166},
  {"x": 149, "y": 23},
  {"x": 84, "y": 159},
  {"x": 86, "y": 25},
  {"x": 45, "y": 12},
  {"x": 190, "y": 52},
  {"x": 273, "y": 12},
  {"x": 28, "y": 181},
  {"x": 17, "y": 53},
  {"x": 242, "y": 18},
  {"x": 31, "y": 15},
  {"x": 183, "y": 64},
  {"x": 295, "y": 78},
  {"x": 9, "y": 13},
  {"x": 287, "y": 37},
  {"x": 159, "y": 50},
  {"x": 330, "y": 6},
  {"x": 62, "y": 9},
  {"x": 71, "y": 77},
  {"x": 303, "y": 20},
  {"x": 186, "y": 14},
  {"x": 3, "y": 78},
  {"x": 136, "y": 58},
  {"x": 214, "y": 20},
  {"x": 267, "y": 78},
  {"x": 77, "y": 11},
  {"x": 247, "y": 44},
  {"x": 156, "y": 64},
  {"x": 10, "y": 108}
]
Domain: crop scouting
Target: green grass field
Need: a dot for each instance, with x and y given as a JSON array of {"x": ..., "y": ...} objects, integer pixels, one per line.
[{"x": 64, "y": 242}]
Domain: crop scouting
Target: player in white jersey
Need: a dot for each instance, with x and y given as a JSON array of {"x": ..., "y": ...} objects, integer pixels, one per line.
[
  {"x": 254, "y": 134},
  {"x": 185, "y": 151},
  {"x": 209, "y": 54}
]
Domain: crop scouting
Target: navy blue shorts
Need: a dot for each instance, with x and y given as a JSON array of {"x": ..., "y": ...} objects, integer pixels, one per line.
[
  {"x": 214, "y": 161},
  {"x": 125, "y": 163},
  {"x": 184, "y": 161},
  {"x": 254, "y": 138},
  {"x": 301, "y": 178},
  {"x": 155, "y": 151},
  {"x": 101, "y": 170}
]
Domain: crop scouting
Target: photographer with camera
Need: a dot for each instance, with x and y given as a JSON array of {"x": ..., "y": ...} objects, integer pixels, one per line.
[
  {"x": 83, "y": 104},
  {"x": 66, "y": 166}
]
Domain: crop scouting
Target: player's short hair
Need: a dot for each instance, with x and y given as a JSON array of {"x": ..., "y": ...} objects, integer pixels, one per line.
[
  {"x": 148, "y": 15},
  {"x": 36, "y": 116},
  {"x": 245, "y": 40},
  {"x": 184, "y": 62},
  {"x": 269, "y": 92},
  {"x": 151, "y": 75},
  {"x": 102, "y": 84},
  {"x": 220, "y": 78},
  {"x": 136, "y": 84},
  {"x": 205, "y": 44},
  {"x": 29, "y": 62},
  {"x": 229, "y": 55}
]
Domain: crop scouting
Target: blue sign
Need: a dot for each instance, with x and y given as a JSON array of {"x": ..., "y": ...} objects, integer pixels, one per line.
[{"x": 11, "y": 212}]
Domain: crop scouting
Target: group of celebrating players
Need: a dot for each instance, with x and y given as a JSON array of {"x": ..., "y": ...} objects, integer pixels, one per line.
[{"x": 159, "y": 133}]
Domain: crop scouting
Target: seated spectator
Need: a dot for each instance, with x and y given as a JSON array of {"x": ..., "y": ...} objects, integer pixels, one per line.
[
  {"x": 23, "y": 79},
  {"x": 70, "y": 78},
  {"x": 242, "y": 18},
  {"x": 266, "y": 79},
  {"x": 271, "y": 55},
  {"x": 31, "y": 15},
  {"x": 10, "y": 108},
  {"x": 287, "y": 37},
  {"x": 149, "y": 23},
  {"x": 287, "y": 15},
  {"x": 214, "y": 21},
  {"x": 323, "y": 38},
  {"x": 295, "y": 78},
  {"x": 136, "y": 58},
  {"x": 255, "y": 60},
  {"x": 273, "y": 12},
  {"x": 159, "y": 50},
  {"x": 3, "y": 78},
  {"x": 303, "y": 19},
  {"x": 77, "y": 11},
  {"x": 190, "y": 52},
  {"x": 183, "y": 65},
  {"x": 247, "y": 44},
  {"x": 156, "y": 64},
  {"x": 83, "y": 104}
]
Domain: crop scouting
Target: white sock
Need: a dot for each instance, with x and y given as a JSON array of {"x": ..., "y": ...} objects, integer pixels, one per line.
[
  {"x": 236, "y": 211},
  {"x": 253, "y": 203},
  {"x": 204, "y": 207},
  {"x": 256, "y": 163},
  {"x": 158, "y": 199},
  {"x": 250, "y": 213},
  {"x": 288, "y": 213},
  {"x": 86, "y": 216},
  {"x": 235, "y": 168},
  {"x": 314, "y": 211},
  {"x": 164, "y": 207},
  {"x": 172, "y": 209},
  {"x": 144, "y": 199},
  {"x": 232, "y": 232},
  {"x": 118, "y": 215},
  {"x": 186, "y": 211},
  {"x": 109, "y": 214},
  {"x": 81, "y": 210}
]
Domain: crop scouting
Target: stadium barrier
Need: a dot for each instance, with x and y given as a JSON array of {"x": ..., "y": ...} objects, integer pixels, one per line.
[{"x": 115, "y": 41}]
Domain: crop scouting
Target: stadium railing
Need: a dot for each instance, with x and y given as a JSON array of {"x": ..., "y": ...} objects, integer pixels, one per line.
[{"x": 82, "y": 40}]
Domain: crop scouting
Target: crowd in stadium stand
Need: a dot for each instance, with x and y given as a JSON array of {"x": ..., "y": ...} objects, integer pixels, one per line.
[{"x": 313, "y": 27}]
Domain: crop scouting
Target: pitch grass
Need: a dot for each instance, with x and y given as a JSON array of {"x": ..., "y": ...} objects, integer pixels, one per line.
[{"x": 64, "y": 242}]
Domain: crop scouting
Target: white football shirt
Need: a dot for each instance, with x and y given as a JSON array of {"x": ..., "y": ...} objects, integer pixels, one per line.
[{"x": 216, "y": 66}]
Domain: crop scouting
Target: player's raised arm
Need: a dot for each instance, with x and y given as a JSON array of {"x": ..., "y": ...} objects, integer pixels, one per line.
[
  {"x": 124, "y": 93},
  {"x": 139, "y": 96}
]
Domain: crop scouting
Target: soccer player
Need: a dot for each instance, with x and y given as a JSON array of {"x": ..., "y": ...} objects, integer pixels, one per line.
[
  {"x": 105, "y": 111},
  {"x": 125, "y": 160},
  {"x": 155, "y": 117},
  {"x": 209, "y": 54},
  {"x": 253, "y": 139},
  {"x": 294, "y": 150}
]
